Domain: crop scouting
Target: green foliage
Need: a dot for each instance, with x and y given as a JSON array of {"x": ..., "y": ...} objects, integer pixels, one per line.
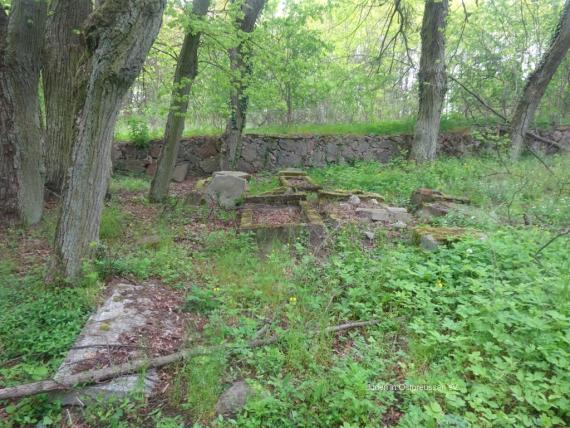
[
  {"x": 38, "y": 324},
  {"x": 113, "y": 223},
  {"x": 124, "y": 183},
  {"x": 474, "y": 334},
  {"x": 138, "y": 132}
]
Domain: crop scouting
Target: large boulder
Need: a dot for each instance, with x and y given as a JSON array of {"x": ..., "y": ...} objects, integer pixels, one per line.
[{"x": 226, "y": 190}]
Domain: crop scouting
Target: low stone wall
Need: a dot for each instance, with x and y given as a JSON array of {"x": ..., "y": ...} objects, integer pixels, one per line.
[{"x": 262, "y": 152}]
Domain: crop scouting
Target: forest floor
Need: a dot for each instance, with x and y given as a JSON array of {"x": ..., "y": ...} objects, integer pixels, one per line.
[{"x": 473, "y": 334}]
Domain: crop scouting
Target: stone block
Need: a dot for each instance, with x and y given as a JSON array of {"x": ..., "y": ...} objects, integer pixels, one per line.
[
  {"x": 180, "y": 172},
  {"x": 374, "y": 214},
  {"x": 399, "y": 214},
  {"x": 233, "y": 399},
  {"x": 226, "y": 190},
  {"x": 239, "y": 174}
]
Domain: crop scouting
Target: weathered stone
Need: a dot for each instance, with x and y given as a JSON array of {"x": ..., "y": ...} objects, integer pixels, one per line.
[
  {"x": 374, "y": 214},
  {"x": 272, "y": 152},
  {"x": 125, "y": 313},
  {"x": 399, "y": 214},
  {"x": 423, "y": 196},
  {"x": 369, "y": 235},
  {"x": 239, "y": 174},
  {"x": 399, "y": 225},
  {"x": 135, "y": 166},
  {"x": 436, "y": 209},
  {"x": 120, "y": 387},
  {"x": 151, "y": 168},
  {"x": 209, "y": 165},
  {"x": 374, "y": 201},
  {"x": 428, "y": 242},
  {"x": 180, "y": 172},
  {"x": 291, "y": 172},
  {"x": 226, "y": 190},
  {"x": 354, "y": 200},
  {"x": 116, "y": 154},
  {"x": 234, "y": 399},
  {"x": 154, "y": 149}
]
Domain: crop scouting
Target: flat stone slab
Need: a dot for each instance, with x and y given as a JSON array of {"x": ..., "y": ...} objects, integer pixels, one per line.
[
  {"x": 374, "y": 214},
  {"x": 430, "y": 238},
  {"x": 239, "y": 174},
  {"x": 135, "y": 321}
]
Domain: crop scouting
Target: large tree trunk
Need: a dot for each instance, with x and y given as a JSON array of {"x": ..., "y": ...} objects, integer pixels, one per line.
[
  {"x": 63, "y": 51},
  {"x": 240, "y": 65},
  {"x": 21, "y": 161},
  {"x": 538, "y": 82},
  {"x": 118, "y": 35},
  {"x": 432, "y": 81},
  {"x": 186, "y": 72}
]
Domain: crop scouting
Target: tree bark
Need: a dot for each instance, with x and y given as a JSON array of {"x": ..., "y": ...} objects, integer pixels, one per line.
[
  {"x": 186, "y": 72},
  {"x": 538, "y": 82},
  {"x": 118, "y": 36},
  {"x": 432, "y": 81},
  {"x": 21, "y": 162},
  {"x": 240, "y": 65},
  {"x": 62, "y": 54}
]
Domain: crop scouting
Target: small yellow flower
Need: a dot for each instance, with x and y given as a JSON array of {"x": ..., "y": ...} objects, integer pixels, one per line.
[
  {"x": 293, "y": 300},
  {"x": 216, "y": 289},
  {"x": 439, "y": 283}
]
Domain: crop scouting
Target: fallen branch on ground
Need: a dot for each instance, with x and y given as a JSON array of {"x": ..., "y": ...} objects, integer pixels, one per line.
[{"x": 93, "y": 376}]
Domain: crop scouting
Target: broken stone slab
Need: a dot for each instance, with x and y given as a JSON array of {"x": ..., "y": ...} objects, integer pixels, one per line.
[
  {"x": 430, "y": 238},
  {"x": 398, "y": 214},
  {"x": 374, "y": 214},
  {"x": 342, "y": 195},
  {"x": 434, "y": 209},
  {"x": 354, "y": 200},
  {"x": 180, "y": 172},
  {"x": 424, "y": 196},
  {"x": 239, "y": 174},
  {"x": 429, "y": 243},
  {"x": 120, "y": 387},
  {"x": 234, "y": 399},
  {"x": 399, "y": 225},
  {"x": 226, "y": 190},
  {"x": 119, "y": 315}
]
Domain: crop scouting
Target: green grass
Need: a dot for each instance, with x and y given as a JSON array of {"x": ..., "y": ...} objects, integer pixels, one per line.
[
  {"x": 38, "y": 324},
  {"x": 452, "y": 123},
  {"x": 482, "y": 326}
]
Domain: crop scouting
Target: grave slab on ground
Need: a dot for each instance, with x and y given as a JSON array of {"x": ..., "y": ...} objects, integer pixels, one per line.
[{"x": 135, "y": 321}]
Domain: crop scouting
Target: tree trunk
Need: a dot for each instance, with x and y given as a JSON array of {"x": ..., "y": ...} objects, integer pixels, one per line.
[
  {"x": 186, "y": 72},
  {"x": 21, "y": 162},
  {"x": 118, "y": 36},
  {"x": 432, "y": 81},
  {"x": 62, "y": 54},
  {"x": 240, "y": 65},
  {"x": 8, "y": 161},
  {"x": 538, "y": 82}
]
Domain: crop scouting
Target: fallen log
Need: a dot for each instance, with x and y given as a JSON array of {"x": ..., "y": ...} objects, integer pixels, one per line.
[{"x": 94, "y": 376}]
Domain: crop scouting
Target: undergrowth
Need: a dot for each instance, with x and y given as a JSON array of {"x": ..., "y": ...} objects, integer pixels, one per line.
[{"x": 470, "y": 335}]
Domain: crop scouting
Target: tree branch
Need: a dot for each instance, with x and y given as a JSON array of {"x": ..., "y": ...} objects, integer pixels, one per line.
[{"x": 93, "y": 376}]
